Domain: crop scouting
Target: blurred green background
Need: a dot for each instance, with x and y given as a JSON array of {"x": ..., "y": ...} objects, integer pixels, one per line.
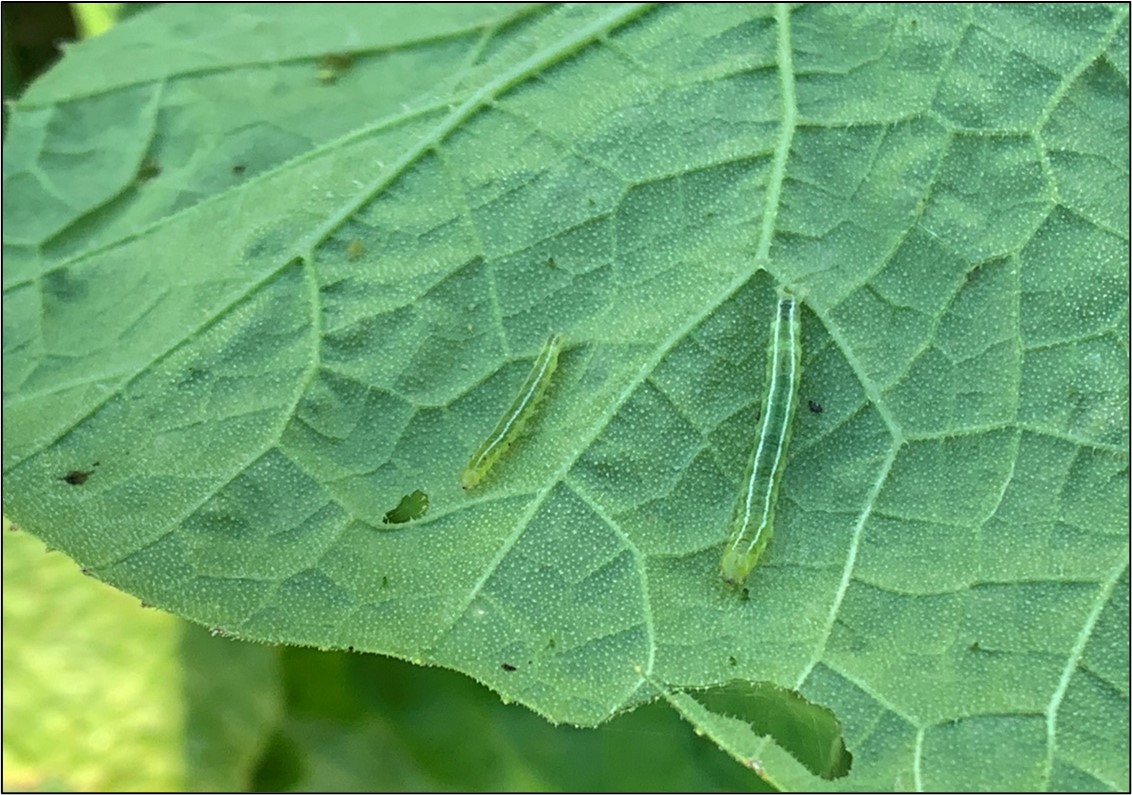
[{"x": 101, "y": 693}]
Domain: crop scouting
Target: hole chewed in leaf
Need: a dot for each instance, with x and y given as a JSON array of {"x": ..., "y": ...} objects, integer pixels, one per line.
[
  {"x": 809, "y": 732},
  {"x": 412, "y": 506}
]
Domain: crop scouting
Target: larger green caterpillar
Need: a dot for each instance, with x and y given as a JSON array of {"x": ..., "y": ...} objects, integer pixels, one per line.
[{"x": 752, "y": 522}]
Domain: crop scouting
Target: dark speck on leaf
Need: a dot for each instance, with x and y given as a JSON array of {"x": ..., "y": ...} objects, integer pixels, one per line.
[
  {"x": 815, "y": 407},
  {"x": 77, "y": 477},
  {"x": 508, "y": 667},
  {"x": 239, "y": 169},
  {"x": 550, "y": 263},
  {"x": 64, "y": 285},
  {"x": 976, "y": 648},
  {"x": 147, "y": 171},
  {"x": 332, "y": 65}
]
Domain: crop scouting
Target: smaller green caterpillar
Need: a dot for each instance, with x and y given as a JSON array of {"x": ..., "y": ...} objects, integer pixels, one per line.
[
  {"x": 511, "y": 424},
  {"x": 753, "y": 520}
]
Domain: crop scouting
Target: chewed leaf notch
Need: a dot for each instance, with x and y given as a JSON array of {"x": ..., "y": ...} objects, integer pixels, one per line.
[
  {"x": 412, "y": 506},
  {"x": 811, "y": 733}
]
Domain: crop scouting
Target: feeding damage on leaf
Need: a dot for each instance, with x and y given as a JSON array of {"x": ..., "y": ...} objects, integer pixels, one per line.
[{"x": 412, "y": 506}]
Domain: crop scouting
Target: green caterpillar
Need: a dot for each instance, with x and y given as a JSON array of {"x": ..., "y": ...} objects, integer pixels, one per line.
[
  {"x": 753, "y": 519},
  {"x": 516, "y": 417}
]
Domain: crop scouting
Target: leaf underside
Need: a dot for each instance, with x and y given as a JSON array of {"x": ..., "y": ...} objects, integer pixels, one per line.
[{"x": 263, "y": 279}]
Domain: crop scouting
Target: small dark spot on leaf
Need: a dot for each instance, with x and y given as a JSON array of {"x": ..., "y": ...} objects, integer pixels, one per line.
[
  {"x": 335, "y": 287},
  {"x": 354, "y": 249},
  {"x": 384, "y": 581},
  {"x": 508, "y": 667},
  {"x": 550, "y": 263},
  {"x": 732, "y": 661},
  {"x": 193, "y": 375},
  {"x": 412, "y": 506},
  {"x": 13, "y": 527},
  {"x": 976, "y": 274},
  {"x": 239, "y": 169},
  {"x": 147, "y": 171},
  {"x": 550, "y": 644},
  {"x": 350, "y": 649},
  {"x": 474, "y": 262},
  {"x": 63, "y": 285},
  {"x": 976, "y": 648},
  {"x": 86, "y": 572},
  {"x": 332, "y": 65},
  {"x": 145, "y": 605},
  {"x": 815, "y": 407},
  {"x": 77, "y": 477}
]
